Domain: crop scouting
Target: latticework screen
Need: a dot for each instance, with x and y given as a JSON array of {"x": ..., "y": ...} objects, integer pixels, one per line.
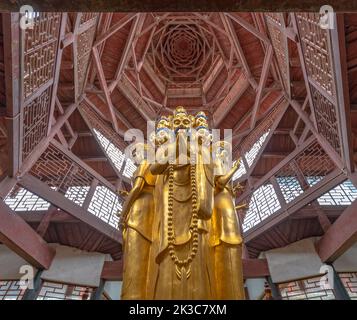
[
  {"x": 11, "y": 290},
  {"x": 306, "y": 169},
  {"x": 60, "y": 291},
  {"x": 349, "y": 280},
  {"x": 308, "y": 289}
]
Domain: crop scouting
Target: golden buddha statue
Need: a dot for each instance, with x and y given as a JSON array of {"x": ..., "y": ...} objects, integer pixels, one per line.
[
  {"x": 189, "y": 229},
  {"x": 136, "y": 220},
  {"x": 225, "y": 238}
]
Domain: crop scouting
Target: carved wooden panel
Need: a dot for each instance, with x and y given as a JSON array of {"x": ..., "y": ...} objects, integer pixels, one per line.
[
  {"x": 293, "y": 180},
  {"x": 84, "y": 46},
  {"x": 254, "y": 141},
  {"x": 40, "y": 47},
  {"x": 88, "y": 16},
  {"x": 326, "y": 119},
  {"x": 349, "y": 280},
  {"x": 105, "y": 204},
  {"x": 318, "y": 60},
  {"x": 35, "y": 121},
  {"x": 308, "y": 289},
  {"x": 97, "y": 122},
  {"x": 280, "y": 44},
  {"x": 61, "y": 291},
  {"x": 59, "y": 172},
  {"x": 315, "y": 45},
  {"x": 10, "y": 290},
  {"x": 20, "y": 199},
  {"x": 263, "y": 203}
]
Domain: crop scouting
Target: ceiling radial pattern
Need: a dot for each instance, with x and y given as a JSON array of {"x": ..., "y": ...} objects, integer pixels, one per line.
[{"x": 183, "y": 53}]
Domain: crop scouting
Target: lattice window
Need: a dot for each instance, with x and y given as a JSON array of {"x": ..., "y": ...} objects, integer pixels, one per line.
[
  {"x": 116, "y": 156},
  {"x": 254, "y": 150},
  {"x": 290, "y": 187},
  {"x": 280, "y": 45},
  {"x": 326, "y": 119},
  {"x": 349, "y": 281},
  {"x": 342, "y": 195},
  {"x": 102, "y": 126},
  {"x": 308, "y": 289},
  {"x": 84, "y": 46},
  {"x": 40, "y": 47},
  {"x": 35, "y": 121},
  {"x": 60, "y": 172},
  {"x": 314, "y": 41},
  {"x": 105, "y": 204},
  {"x": 88, "y": 16},
  {"x": 60, "y": 291},
  {"x": 77, "y": 194},
  {"x": 240, "y": 172},
  {"x": 11, "y": 290},
  {"x": 263, "y": 203},
  {"x": 20, "y": 199},
  {"x": 129, "y": 168},
  {"x": 314, "y": 161}
]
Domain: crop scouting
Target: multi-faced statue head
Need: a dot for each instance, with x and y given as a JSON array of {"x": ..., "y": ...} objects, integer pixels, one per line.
[
  {"x": 202, "y": 130},
  {"x": 181, "y": 120},
  {"x": 163, "y": 131},
  {"x": 222, "y": 151}
]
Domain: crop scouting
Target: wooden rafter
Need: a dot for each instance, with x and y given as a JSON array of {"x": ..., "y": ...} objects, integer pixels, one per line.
[{"x": 16, "y": 234}]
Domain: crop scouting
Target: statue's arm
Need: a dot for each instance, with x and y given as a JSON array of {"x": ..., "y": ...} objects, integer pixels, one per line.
[
  {"x": 222, "y": 181},
  {"x": 158, "y": 168},
  {"x": 133, "y": 195}
]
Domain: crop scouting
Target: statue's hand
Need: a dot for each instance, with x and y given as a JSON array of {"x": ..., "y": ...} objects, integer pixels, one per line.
[
  {"x": 237, "y": 188},
  {"x": 243, "y": 206},
  {"x": 237, "y": 164},
  {"x": 123, "y": 193}
]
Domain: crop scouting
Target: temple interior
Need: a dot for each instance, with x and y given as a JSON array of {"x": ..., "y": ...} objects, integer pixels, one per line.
[{"x": 72, "y": 85}]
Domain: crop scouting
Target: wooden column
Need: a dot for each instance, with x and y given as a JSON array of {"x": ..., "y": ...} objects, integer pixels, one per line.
[{"x": 32, "y": 294}]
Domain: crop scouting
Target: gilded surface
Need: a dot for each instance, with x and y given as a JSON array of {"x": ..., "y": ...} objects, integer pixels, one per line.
[{"x": 180, "y": 228}]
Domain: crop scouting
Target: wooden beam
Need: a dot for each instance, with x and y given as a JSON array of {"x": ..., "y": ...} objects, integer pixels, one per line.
[
  {"x": 16, "y": 234},
  {"x": 60, "y": 201},
  {"x": 113, "y": 29},
  {"x": 252, "y": 268},
  {"x": 255, "y": 268},
  {"x": 104, "y": 87},
  {"x": 112, "y": 270},
  {"x": 230, "y": 100},
  {"x": 330, "y": 181},
  {"x": 128, "y": 46},
  {"x": 263, "y": 77},
  {"x": 246, "y": 25},
  {"x": 12, "y": 58},
  {"x": 45, "y": 221},
  {"x": 339, "y": 56},
  {"x": 340, "y": 236},
  {"x": 41, "y": 147}
]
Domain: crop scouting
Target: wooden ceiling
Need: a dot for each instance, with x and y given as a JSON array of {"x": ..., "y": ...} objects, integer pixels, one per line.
[{"x": 237, "y": 67}]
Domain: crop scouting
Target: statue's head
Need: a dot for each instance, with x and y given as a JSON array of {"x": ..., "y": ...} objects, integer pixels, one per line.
[
  {"x": 163, "y": 131},
  {"x": 181, "y": 120},
  {"x": 202, "y": 129},
  {"x": 164, "y": 122},
  {"x": 201, "y": 120},
  {"x": 222, "y": 149}
]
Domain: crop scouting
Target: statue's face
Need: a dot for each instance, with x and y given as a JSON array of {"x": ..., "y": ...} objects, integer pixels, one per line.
[
  {"x": 163, "y": 123},
  {"x": 181, "y": 121},
  {"x": 201, "y": 122},
  {"x": 204, "y": 136}
]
